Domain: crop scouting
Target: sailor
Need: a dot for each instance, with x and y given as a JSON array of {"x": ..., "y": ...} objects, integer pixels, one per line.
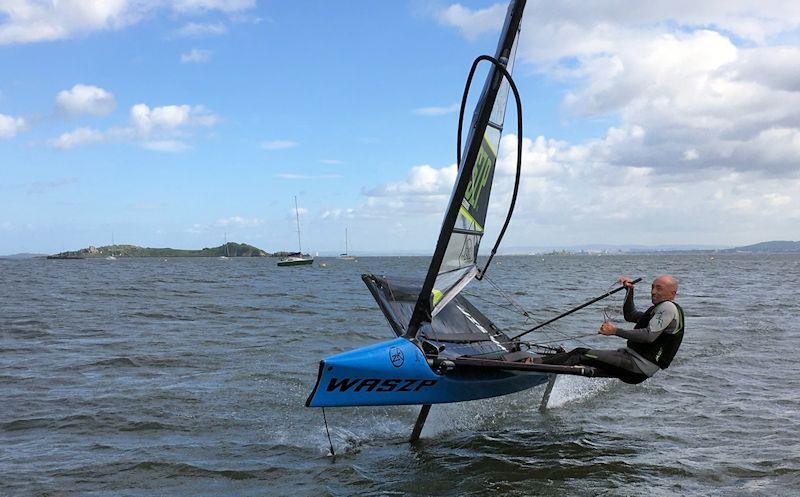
[{"x": 652, "y": 343}]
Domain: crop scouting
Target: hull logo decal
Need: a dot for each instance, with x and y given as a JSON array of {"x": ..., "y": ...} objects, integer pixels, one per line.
[
  {"x": 396, "y": 356},
  {"x": 378, "y": 384}
]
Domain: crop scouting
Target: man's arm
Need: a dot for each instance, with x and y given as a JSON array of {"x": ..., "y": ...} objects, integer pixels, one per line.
[
  {"x": 629, "y": 311},
  {"x": 665, "y": 320}
]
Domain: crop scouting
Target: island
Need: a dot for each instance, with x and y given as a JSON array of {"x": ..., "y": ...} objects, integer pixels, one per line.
[
  {"x": 230, "y": 249},
  {"x": 773, "y": 247}
]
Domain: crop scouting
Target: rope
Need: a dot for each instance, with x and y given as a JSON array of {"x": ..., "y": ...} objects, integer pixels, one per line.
[
  {"x": 333, "y": 454},
  {"x": 521, "y": 310},
  {"x": 541, "y": 345},
  {"x": 528, "y": 316},
  {"x": 575, "y": 309},
  {"x": 576, "y": 337},
  {"x": 488, "y": 301},
  {"x": 511, "y": 301}
]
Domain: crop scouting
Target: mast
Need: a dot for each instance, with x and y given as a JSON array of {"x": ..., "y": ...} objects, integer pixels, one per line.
[
  {"x": 345, "y": 242},
  {"x": 483, "y": 111},
  {"x": 297, "y": 216}
]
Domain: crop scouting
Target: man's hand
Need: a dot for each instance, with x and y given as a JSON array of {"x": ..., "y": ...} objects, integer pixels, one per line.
[
  {"x": 626, "y": 282},
  {"x": 607, "y": 328}
]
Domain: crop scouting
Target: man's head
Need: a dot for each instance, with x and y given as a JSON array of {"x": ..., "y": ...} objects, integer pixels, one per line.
[{"x": 664, "y": 288}]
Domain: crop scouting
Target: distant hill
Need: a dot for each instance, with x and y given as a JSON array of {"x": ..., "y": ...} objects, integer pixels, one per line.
[
  {"x": 608, "y": 249},
  {"x": 779, "y": 246},
  {"x": 24, "y": 255},
  {"x": 233, "y": 250}
]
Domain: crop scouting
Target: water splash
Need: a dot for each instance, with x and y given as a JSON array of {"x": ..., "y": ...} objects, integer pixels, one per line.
[{"x": 570, "y": 390}]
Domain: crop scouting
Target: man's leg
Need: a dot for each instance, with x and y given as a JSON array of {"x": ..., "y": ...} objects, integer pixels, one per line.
[
  {"x": 616, "y": 362},
  {"x": 571, "y": 358}
]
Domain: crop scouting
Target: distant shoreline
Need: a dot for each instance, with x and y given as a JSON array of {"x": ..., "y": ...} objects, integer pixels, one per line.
[
  {"x": 710, "y": 253},
  {"x": 232, "y": 249}
]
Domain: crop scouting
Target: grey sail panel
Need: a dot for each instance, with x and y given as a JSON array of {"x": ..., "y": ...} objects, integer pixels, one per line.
[{"x": 459, "y": 329}]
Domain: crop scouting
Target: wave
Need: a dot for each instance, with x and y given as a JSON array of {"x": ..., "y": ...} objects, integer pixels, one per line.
[{"x": 116, "y": 361}]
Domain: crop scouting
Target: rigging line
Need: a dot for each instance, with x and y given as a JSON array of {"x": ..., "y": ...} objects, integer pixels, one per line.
[
  {"x": 488, "y": 301},
  {"x": 574, "y": 309},
  {"x": 519, "y": 308},
  {"x": 333, "y": 454},
  {"x": 539, "y": 344},
  {"x": 576, "y": 337},
  {"x": 527, "y": 315},
  {"x": 563, "y": 336}
]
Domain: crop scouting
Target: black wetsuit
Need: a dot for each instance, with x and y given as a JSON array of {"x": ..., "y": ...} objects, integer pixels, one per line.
[{"x": 651, "y": 344}]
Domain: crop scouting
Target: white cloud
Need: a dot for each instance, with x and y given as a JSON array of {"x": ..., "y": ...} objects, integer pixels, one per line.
[
  {"x": 165, "y": 145},
  {"x": 278, "y": 144},
  {"x": 10, "y": 126},
  {"x": 338, "y": 214},
  {"x": 200, "y": 30},
  {"x": 239, "y": 222},
  {"x": 44, "y": 186},
  {"x": 85, "y": 99},
  {"x": 228, "y": 6},
  {"x": 292, "y": 214},
  {"x": 196, "y": 55},
  {"x": 75, "y": 138},
  {"x": 197, "y": 228},
  {"x": 162, "y": 129},
  {"x": 29, "y": 21},
  {"x": 307, "y": 176},
  {"x": 436, "y": 111},
  {"x": 422, "y": 180},
  {"x": 169, "y": 118},
  {"x": 569, "y": 197},
  {"x": 709, "y": 85},
  {"x": 421, "y": 197},
  {"x": 690, "y": 154},
  {"x": 473, "y": 23},
  {"x": 233, "y": 222},
  {"x": 540, "y": 157},
  {"x": 332, "y": 162}
]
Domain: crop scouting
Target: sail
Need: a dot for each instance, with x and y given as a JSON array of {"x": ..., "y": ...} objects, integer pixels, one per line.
[{"x": 454, "y": 263}]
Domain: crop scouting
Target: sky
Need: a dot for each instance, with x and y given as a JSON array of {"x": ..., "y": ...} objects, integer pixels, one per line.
[{"x": 179, "y": 123}]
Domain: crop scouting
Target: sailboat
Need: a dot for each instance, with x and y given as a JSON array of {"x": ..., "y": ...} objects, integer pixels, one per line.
[
  {"x": 346, "y": 256},
  {"x": 111, "y": 257},
  {"x": 226, "y": 254},
  {"x": 445, "y": 349},
  {"x": 296, "y": 258}
]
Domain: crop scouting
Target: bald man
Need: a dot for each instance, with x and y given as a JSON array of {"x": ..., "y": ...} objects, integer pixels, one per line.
[{"x": 652, "y": 343}]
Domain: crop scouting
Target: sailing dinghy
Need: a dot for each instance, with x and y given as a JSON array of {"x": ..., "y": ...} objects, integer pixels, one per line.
[
  {"x": 296, "y": 258},
  {"x": 445, "y": 349},
  {"x": 346, "y": 256}
]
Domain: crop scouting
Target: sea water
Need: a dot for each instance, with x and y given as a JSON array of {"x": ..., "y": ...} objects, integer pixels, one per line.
[{"x": 189, "y": 377}]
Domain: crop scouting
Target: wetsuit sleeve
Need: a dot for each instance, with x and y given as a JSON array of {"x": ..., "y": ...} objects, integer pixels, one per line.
[
  {"x": 664, "y": 320},
  {"x": 629, "y": 308}
]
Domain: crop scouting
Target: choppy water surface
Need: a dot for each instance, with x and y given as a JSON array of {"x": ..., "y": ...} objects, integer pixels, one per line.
[{"x": 189, "y": 377}]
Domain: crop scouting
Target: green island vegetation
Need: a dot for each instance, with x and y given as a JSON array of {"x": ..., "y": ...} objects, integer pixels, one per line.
[{"x": 233, "y": 250}]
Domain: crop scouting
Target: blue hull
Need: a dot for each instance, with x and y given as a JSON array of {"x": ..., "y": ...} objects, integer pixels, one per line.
[{"x": 396, "y": 373}]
